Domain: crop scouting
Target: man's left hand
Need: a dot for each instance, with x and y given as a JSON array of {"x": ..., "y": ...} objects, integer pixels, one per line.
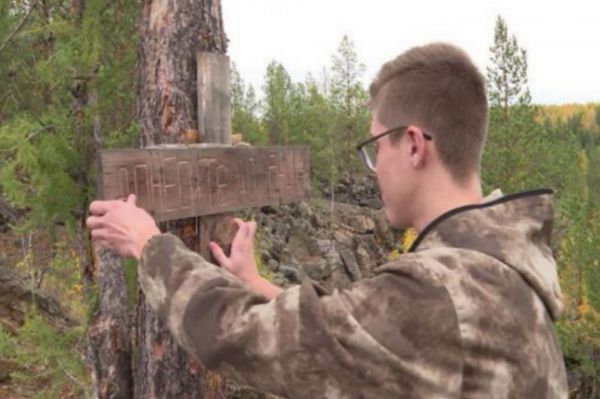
[{"x": 121, "y": 226}]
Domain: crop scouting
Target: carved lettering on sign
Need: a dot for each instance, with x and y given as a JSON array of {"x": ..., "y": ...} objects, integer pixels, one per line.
[
  {"x": 200, "y": 180},
  {"x": 171, "y": 190},
  {"x": 249, "y": 177},
  {"x": 123, "y": 183},
  {"x": 156, "y": 192},
  {"x": 141, "y": 184},
  {"x": 177, "y": 183},
  {"x": 184, "y": 174},
  {"x": 221, "y": 185}
]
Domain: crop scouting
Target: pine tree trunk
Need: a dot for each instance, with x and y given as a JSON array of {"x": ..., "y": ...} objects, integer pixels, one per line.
[
  {"x": 108, "y": 345},
  {"x": 170, "y": 34}
]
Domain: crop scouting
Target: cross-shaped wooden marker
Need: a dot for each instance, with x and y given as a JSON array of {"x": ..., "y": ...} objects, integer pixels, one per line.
[{"x": 180, "y": 181}]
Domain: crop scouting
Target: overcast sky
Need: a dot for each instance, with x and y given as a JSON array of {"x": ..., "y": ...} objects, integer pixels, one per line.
[{"x": 562, "y": 37}]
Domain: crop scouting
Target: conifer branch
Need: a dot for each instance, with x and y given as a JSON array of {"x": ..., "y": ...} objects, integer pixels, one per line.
[{"x": 18, "y": 27}]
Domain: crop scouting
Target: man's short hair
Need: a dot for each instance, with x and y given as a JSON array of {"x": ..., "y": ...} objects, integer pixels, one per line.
[{"x": 437, "y": 88}]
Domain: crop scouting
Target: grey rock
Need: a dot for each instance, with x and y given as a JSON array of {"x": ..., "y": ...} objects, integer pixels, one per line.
[
  {"x": 316, "y": 268},
  {"x": 292, "y": 274}
]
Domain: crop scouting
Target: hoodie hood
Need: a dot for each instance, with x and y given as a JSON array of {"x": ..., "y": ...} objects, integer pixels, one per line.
[{"x": 515, "y": 229}]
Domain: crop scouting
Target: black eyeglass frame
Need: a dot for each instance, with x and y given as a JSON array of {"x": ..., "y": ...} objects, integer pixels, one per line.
[{"x": 360, "y": 146}]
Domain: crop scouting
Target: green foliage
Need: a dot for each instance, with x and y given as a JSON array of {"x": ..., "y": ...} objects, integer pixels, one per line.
[
  {"x": 8, "y": 344},
  {"x": 545, "y": 153},
  {"x": 512, "y": 118},
  {"x": 244, "y": 110},
  {"x": 349, "y": 99},
  {"x": 66, "y": 75},
  {"x": 62, "y": 73},
  {"x": 527, "y": 149},
  {"x": 329, "y": 115},
  {"x": 36, "y": 170},
  {"x": 507, "y": 77},
  {"x": 46, "y": 357},
  {"x": 277, "y": 104}
]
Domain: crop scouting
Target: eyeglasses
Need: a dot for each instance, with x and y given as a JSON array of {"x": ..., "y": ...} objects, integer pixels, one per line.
[{"x": 367, "y": 150}]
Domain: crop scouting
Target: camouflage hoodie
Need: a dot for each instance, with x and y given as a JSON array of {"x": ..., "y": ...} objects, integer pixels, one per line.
[{"x": 466, "y": 314}]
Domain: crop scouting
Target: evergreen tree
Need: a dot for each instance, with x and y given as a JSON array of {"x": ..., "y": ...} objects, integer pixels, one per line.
[
  {"x": 522, "y": 153},
  {"x": 61, "y": 66},
  {"x": 347, "y": 90},
  {"x": 348, "y": 99},
  {"x": 507, "y": 77},
  {"x": 65, "y": 80},
  {"x": 276, "y": 104},
  {"x": 512, "y": 118}
]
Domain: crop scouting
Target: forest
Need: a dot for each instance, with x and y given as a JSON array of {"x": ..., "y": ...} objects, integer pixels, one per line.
[{"x": 69, "y": 88}]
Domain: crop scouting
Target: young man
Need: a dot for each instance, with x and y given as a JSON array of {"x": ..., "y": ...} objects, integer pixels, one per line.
[{"x": 467, "y": 313}]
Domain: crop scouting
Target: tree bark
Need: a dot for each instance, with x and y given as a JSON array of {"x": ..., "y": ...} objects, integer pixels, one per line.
[
  {"x": 108, "y": 345},
  {"x": 170, "y": 34}
]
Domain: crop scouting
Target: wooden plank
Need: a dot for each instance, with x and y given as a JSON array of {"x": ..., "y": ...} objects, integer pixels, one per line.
[
  {"x": 214, "y": 93},
  {"x": 174, "y": 183}
]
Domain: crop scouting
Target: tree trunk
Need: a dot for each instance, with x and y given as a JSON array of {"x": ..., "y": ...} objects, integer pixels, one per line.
[
  {"x": 108, "y": 345},
  {"x": 170, "y": 34}
]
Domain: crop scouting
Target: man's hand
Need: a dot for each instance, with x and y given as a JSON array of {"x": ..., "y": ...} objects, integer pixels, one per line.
[
  {"x": 241, "y": 262},
  {"x": 121, "y": 226}
]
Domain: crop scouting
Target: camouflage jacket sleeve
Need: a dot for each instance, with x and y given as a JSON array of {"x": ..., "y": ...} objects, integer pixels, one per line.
[{"x": 389, "y": 336}]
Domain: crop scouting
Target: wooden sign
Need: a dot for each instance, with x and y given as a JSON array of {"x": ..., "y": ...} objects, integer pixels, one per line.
[{"x": 187, "y": 181}]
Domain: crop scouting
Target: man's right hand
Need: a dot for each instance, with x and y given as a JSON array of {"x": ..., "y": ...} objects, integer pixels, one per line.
[{"x": 241, "y": 262}]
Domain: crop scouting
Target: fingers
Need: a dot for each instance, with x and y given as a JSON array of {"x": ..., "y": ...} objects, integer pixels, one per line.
[
  {"x": 131, "y": 199},
  {"x": 94, "y": 222},
  {"x": 244, "y": 237},
  {"x": 219, "y": 255},
  {"x": 99, "y": 208},
  {"x": 249, "y": 241},
  {"x": 240, "y": 237}
]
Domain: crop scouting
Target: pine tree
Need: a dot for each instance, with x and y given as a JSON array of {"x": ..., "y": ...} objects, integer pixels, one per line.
[
  {"x": 507, "y": 77},
  {"x": 348, "y": 98},
  {"x": 277, "y": 91},
  {"x": 346, "y": 88},
  {"x": 512, "y": 123},
  {"x": 65, "y": 72}
]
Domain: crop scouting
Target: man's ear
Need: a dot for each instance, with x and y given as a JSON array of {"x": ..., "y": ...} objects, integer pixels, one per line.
[{"x": 418, "y": 146}]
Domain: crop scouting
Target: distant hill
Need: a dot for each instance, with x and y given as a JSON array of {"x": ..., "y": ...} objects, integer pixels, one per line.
[{"x": 590, "y": 113}]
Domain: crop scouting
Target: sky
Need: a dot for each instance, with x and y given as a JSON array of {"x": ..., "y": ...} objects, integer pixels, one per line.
[{"x": 562, "y": 38}]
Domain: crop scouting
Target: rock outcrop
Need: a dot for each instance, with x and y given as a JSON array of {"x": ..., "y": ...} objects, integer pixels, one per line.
[{"x": 334, "y": 244}]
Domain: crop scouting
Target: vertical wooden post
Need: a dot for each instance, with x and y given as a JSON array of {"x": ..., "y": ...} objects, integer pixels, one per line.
[
  {"x": 214, "y": 94},
  {"x": 214, "y": 125}
]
